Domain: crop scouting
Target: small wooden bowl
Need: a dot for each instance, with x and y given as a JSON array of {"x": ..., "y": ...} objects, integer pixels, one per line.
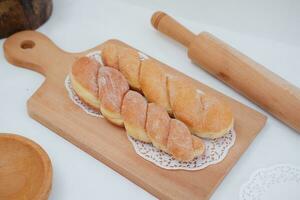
[{"x": 25, "y": 169}]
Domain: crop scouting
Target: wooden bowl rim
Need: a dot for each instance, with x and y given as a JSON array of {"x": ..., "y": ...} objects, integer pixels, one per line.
[{"x": 46, "y": 185}]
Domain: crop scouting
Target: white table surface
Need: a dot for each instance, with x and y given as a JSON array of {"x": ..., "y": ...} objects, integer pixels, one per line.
[{"x": 267, "y": 31}]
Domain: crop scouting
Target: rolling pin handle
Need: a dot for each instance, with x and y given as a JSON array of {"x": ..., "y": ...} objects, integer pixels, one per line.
[{"x": 169, "y": 26}]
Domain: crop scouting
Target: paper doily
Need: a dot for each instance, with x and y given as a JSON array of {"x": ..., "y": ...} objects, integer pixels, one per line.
[
  {"x": 215, "y": 149},
  {"x": 277, "y": 182}
]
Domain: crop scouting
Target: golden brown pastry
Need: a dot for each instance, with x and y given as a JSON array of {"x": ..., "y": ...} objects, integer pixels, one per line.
[
  {"x": 84, "y": 81},
  {"x": 180, "y": 142},
  {"x": 153, "y": 124},
  {"x": 153, "y": 82},
  {"x": 157, "y": 126},
  {"x": 171, "y": 135},
  {"x": 129, "y": 66},
  {"x": 110, "y": 55},
  {"x": 208, "y": 117},
  {"x": 112, "y": 88},
  {"x": 134, "y": 113},
  {"x": 143, "y": 121},
  {"x": 205, "y": 115}
]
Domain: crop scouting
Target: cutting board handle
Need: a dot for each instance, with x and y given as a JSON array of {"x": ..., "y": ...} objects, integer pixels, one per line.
[
  {"x": 32, "y": 50},
  {"x": 169, "y": 26}
]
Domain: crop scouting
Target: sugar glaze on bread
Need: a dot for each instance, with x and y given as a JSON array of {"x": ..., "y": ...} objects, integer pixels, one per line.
[
  {"x": 205, "y": 115},
  {"x": 142, "y": 95},
  {"x": 128, "y": 108}
]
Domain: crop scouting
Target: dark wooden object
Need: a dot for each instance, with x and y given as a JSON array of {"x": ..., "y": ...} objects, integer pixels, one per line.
[{"x": 17, "y": 15}]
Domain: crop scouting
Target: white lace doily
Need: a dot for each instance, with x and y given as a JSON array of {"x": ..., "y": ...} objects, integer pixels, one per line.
[
  {"x": 215, "y": 149},
  {"x": 277, "y": 182}
]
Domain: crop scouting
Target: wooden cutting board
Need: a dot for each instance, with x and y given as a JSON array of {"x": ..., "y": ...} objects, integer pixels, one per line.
[{"x": 51, "y": 106}]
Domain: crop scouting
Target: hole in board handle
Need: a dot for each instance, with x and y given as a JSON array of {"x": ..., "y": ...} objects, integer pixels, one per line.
[{"x": 27, "y": 44}]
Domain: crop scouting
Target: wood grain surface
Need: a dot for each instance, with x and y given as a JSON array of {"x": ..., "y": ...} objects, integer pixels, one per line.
[
  {"x": 51, "y": 106},
  {"x": 25, "y": 169}
]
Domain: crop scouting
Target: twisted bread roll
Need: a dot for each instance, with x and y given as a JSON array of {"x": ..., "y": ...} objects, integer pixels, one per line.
[
  {"x": 119, "y": 105},
  {"x": 84, "y": 81},
  {"x": 134, "y": 112},
  {"x": 157, "y": 126},
  {"x": 208, "y": 117},
  {"x": 112, "y": 87},
  {"x": 204, "y": 115}
]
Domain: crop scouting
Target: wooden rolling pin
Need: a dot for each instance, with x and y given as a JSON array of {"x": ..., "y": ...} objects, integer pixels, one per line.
[{"x": 268, "y": 90}]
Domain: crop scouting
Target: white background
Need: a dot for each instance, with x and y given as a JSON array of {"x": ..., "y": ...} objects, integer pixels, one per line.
[{"x": 268, "y": 31}]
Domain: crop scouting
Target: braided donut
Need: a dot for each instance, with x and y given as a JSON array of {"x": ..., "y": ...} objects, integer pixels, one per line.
[
  {"x": 143, "y": 121},
  {"x": 205, "y": 115}
]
